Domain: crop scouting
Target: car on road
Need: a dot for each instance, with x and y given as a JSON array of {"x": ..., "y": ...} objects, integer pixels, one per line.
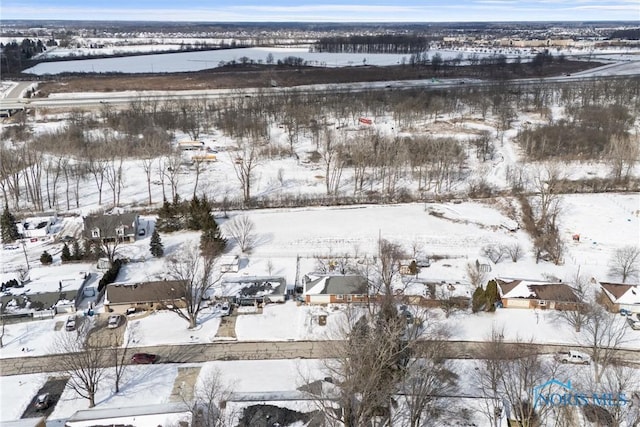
[
  {"x": 114, "y": 321},
  {"x": 70, "y": 324},
  {"x": 43, "y": 402},
  {"x": 225, "y": 309},
  {"x": 144, "y": 358},
  {"x": 574, "y": 357}
]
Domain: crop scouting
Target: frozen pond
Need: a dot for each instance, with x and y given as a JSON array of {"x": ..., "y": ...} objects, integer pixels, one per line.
[{"x": 195, "y": 61}]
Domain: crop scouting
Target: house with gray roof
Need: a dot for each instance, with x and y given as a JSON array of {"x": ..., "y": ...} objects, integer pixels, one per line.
[
  {"x": 110, "y": 227},
  {"x": 335, "y": 289}
]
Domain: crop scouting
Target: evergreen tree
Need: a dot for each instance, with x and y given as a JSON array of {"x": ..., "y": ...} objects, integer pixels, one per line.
[
  {"x": 46, "y": 258},
  {"x": 8, "y": 225},
  {"x": 168, "y": 218},
  {"x": 156, "y": 248},
  {"x": 492, "y": 295},
  {"x": 478, "y": 300},
  {"x": 77, "y": 252},
  {"x": 66, "y": 254},
  {"x": 211, "y": 242}
]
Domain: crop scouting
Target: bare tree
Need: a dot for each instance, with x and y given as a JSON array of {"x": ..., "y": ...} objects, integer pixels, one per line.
[
  {"x": 476, "y": 275},
  {"x": 208, "y": 404},
  {"x": 494, "y": 252},
  {"x": 514, "y": 250},
  {"x": 625, "y": 263},
  {"x": 247, "y": 157},
  {"x": 81, "y": 360},
  {"x": 196, "y": 278},
  {"x": 579, "y": 317},
  {"x": 119, "y": 351},
  {"x": 242, "y": 230},
  {"x": 602, "y": 333}
]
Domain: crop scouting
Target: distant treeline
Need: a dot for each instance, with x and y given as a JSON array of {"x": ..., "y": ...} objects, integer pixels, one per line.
[
  {"x": 381, "y": 43},
  {"x": 627, "y": 34}
]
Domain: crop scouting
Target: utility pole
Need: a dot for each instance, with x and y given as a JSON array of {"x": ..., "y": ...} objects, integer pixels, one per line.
[{"x": 26, "y": 258}]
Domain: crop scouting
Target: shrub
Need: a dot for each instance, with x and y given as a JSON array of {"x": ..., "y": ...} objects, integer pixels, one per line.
[{"x": 46, "y": 258}]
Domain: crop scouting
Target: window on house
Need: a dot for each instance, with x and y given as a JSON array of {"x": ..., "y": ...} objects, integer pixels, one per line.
[
  {"x": 120, "y": 231},
  {"x": 340, "y": 297},
  {"x": 349, "y": 298},
  {"x": 95, "y": 232},
  {"x": 541, "y": 302}
]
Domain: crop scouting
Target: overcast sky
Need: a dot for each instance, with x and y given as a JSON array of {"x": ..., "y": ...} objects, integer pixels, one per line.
[{"x": 323, "y": 10}]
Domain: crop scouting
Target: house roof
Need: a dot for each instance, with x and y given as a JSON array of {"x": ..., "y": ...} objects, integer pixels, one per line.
[
  {"x": 162, "y": 290},
  {"x": 337, "y": 285},
  {"x": 108, "y": 223},
  {"x": 253, "y": 286},
  {"x": 622, "y": 293},
  {"x": 96, "y": 414},
  {"x": 536, "y": 290}
]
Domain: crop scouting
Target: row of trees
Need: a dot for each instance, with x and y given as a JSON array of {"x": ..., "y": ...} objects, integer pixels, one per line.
[{"x": 50, "y": 169}]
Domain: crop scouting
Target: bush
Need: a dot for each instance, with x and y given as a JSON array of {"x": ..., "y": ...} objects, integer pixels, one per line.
[
  {"x": 111, "y": 274},
  {"x": 66, "y": 254},
  {"x": 46, "y": 258}
]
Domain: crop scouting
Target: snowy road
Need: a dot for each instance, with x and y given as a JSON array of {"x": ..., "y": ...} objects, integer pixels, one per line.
[{"x": 270, "y": 350}]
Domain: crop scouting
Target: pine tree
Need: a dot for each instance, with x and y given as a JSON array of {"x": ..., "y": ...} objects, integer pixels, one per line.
[
  {"x": 66, "y": 254},
  {"x": 211, "y": 242},
  {"x": 168, "y": 218},
  {"x": 8, "y": 225},
  {"x": 46, "y": 258},
  {"x": 492, "y": 295},
  {"x": 155, "y": 247},
  {"x": 77, "y": 252}
]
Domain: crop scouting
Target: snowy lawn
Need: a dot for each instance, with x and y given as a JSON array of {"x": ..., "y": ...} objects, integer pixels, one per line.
[
  {"x": 165, "y": 327},
  {"x": 36, "y": 337},
  {"x": 16, "y": 392},
  {"x": 141, "y": 385}
]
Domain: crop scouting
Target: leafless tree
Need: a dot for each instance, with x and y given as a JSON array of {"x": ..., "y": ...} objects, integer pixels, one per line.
[
  {"x": 426, "y": 377},
  {"x": 81, "y": 360},
  {"x": 244, "y": 163},
  {"x": 625, "y": 263},
  {"x": 623, "y": 155},
  {"x": 197, "y": 278},
  {"x": 330, "y": 153},
  {"x": 208, "y": 404},
  {"x": 579, "y": 317},
  {"x": 476, "y": 275},
  {"x": 508, "y": 374},
  {"x": 97, "y": 167},
  {"x": 514, "y": 250},
  {"x": 602, "y": 333},
  {"x": 118, "y": 347},
  {"x": 172, "y": 166},
  {"x": 242, "y": 230},
  {"x": 3, "y": 321},
  {"x": 494, "y": 252}
]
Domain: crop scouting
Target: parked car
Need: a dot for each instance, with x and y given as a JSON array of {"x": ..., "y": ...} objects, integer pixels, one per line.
[
  {"x": 114, "y": 321},
  {"x": 225, "y": 309},
  {"x": 70, "y": 324},
  {"x": 635, "y": 324},
  {"x": 143, "y": 358},
  {"x": 573, "y": 357},
  {"x": 624, "y": 312},
  {"x": 43, "y": 402}
]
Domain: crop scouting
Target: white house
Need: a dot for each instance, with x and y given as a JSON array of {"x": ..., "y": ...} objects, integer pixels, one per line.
[
  {"x": 34, "y": 227},
  {"x": 621, "y": 296}
]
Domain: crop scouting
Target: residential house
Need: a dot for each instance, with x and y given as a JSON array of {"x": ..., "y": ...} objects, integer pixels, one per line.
[
  {"x": 536, "y": 294},
  {"x": 37, "y": 227},
  {"x": 254, "y": 290},
  {"x": 621, "y": 296},
  {"x": 335, "y": 289},
  {"x": 122, "y": 227},
  {"x": 120, "y": 298},
  {"x": 164, "y": 414},
  {"x": 435, "y": 293}
]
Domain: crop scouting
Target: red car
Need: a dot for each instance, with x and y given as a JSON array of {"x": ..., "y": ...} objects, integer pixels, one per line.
[{"x": 143, "y": 358}]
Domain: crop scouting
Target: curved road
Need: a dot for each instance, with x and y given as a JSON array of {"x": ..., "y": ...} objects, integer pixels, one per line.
[{"x": 267, "y": 350}]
